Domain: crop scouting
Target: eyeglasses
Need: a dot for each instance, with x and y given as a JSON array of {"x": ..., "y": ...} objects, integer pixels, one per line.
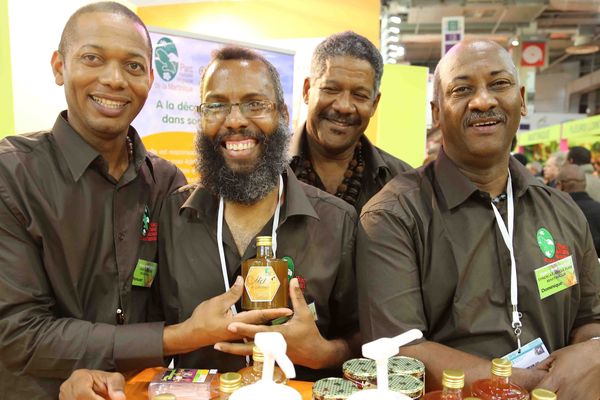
[{"x": 249, "y": 109}]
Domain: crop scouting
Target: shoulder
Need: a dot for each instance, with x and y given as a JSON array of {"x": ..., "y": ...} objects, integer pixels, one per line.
[
  {"x": 405, "y": 188},
  {"x": 162, "y": 167},
  {"x": 395, "y": 164},
  {"x": 325, "y": 204},
  {"x": 22, "y": 144}
]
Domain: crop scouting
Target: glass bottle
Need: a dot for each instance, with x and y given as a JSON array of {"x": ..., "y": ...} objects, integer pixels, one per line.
[
  {"x": 499, "y": 386},
  {"x": 253, "y": 373},
  {"x": 229, "y": 382},
  {"x": 265, "y": 278},
  {"x": 542, "y": 394},
  {"x": 453, "y": 381}
]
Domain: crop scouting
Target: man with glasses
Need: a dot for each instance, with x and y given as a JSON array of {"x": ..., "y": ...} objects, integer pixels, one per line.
[{"x": 246, "y": 190}]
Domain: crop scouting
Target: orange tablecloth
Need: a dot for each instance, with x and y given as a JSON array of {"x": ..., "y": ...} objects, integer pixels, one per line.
[{"x": 137, "y": 385}]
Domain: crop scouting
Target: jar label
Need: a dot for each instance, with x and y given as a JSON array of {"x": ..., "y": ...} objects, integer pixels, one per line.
[{"x": 261, "y": 283}]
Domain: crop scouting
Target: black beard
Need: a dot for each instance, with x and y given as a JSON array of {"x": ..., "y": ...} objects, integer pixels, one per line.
[{"x": 254, "y": 182}]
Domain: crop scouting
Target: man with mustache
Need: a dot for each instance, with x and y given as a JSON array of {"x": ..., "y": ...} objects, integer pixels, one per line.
[
  {"x": 331, "y": 150},
  {"x": 477, "y": 253},
  {"x": 246, "y": 190}
]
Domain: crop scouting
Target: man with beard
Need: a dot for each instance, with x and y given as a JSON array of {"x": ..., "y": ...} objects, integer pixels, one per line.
[
  {"x": 331, "y": 150},
  {"x": 246, "y": 190},
  {"x": 476, "y": 252}
]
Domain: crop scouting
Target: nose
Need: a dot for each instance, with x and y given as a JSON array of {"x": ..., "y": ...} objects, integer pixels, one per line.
[
  {"x": 343, "y": 103},
  {"x": 112, "y": 76},
  {"x": 483, "y": 100},
  {"x": 235, "y": 119}
]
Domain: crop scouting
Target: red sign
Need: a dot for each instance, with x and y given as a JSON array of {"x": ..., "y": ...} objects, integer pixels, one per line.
[{"x": 533, "y": 54}]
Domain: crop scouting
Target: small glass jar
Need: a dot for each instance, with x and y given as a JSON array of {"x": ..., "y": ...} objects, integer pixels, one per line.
[
  {"x": 361, "y": 371},
  {"x": 407, "y": 385},
  {"x": 333, "y": 389},
  {"x": 229, "y": 382},
  {"x": 400, "y": 365},
  {"x": 253, "y": 373}
]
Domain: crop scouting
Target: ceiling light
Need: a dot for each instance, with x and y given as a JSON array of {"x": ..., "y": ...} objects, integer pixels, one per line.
[
  {"x": 582, "y": 49},
  {"x": 514, "y": 42},
  {"x": 393, "y": 38},
  {"x": 393, "y": 29},
  {"x": 391, "y": 61},
  {"x": 394, "y": 19}
]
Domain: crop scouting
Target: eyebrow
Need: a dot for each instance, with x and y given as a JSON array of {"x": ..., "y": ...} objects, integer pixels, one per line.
[
  {"x": 100, "y": 48},
  {"x": 493, "y": 73}
]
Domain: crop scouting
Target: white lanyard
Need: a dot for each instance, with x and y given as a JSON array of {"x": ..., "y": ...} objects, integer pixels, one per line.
[
  {"x": 220, "y": 236},
  {"x": 507, "y": 235}
]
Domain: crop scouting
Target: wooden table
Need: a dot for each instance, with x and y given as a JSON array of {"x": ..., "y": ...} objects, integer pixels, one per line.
[{"x": 137, "y": 385}]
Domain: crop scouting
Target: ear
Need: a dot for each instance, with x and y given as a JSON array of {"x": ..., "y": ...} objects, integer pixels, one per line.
[
  {"x": 306, "y": 90},
  {"x": 151, "y": 76},
  {"x": 58, "y": 65},
  {"x": 375, "y": 103},
  {"x": 523, "y": 103},
  {"x": 285, "y": 114},
  {"x": 435, "y": 115}
]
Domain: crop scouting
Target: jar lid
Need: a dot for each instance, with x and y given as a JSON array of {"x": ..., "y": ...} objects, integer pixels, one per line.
[
  {"x": 400, "y": 365},
  {"x": 453, "y": 379},
  {"x": 407, "y": 384},
  {"x": 257, "y": 355},
  {"x": 542, "y": 394},
  {"x": 264, "y": 241},
  {"x": 501, "y": 367},
  {"x": 361, "y": 369},
  {"x": 333, "y": 389},
  {"x": 229, "y": 382},
  {"x": 165, "y": 396}
]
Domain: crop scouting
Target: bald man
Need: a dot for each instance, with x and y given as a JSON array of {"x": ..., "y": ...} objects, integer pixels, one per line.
[
  {"x": 572, "y": 179},
  {"x": 431, "y": 253}
]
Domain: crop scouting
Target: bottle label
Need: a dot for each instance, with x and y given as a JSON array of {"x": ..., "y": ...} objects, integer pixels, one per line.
[{"x": 261, "y": 283}]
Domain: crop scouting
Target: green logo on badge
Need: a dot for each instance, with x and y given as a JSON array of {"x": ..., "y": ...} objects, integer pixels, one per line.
[
  {"x": 166, "y": 59},
  {"x": 546, "y": 242}
]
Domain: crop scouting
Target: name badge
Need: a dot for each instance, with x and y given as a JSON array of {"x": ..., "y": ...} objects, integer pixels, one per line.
[
  {"x": 144, "y": 273},
  {"x": 555, "y": 277},
  {"x": 531, "y": 355}
]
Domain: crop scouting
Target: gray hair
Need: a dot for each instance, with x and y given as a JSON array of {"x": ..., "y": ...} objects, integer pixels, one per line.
[
  {"x": 558, "y": 157},
  {"x": 349, "y": 44}
]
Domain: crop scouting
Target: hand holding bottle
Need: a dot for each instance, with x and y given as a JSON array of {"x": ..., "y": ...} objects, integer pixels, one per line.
[
  {"x": 84, "y": 384},
  {"x": 208, "y": 323}
]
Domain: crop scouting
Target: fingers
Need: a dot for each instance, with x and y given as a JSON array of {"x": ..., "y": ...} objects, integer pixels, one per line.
[
  {"x": 116, "y": 386},
  {"x": 261, "y": 317},
  {"x": 233, "y": 294},
  {"x": 549, "y": 383},
  {"x": 298, "y": 301},
  {"x": 239, "y": 349},
  {"x": 248, "y": 330}
]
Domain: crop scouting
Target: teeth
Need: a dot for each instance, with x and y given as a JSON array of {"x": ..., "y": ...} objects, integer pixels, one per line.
[
  {"x": 108, "y": 103},
  {"x": 236, "y": 146},
  {"x": 485, "y": 123}
]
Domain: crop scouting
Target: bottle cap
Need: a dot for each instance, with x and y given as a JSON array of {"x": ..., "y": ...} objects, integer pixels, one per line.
[
  {"x": 401, "y": 365},
  {"x": 453, "y": 379},
  {"x": 264, "y": 241},
  {"x": 501, "y": 367},
  {"x": 257, "y": 355},
  {"x": 333, "y": 389},
  {"x": 407, "y": 385},
  {"x": 165, "y": 396},
  {"x": 542, "y": 394},
  {"x": 229, "y": 382}
]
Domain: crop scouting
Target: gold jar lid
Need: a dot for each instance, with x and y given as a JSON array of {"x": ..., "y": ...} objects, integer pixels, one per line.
[
  {"x": 257, "y": 355},
  {"x": 400, "y": 365},
  {"x": 230, "y": 382},
  {"x": 264, "y": 241},
  {"x": 360, "y": 369},
  {"x": 409, "y": 385},
  {"x": 165, "y": 396},
  {"x": 453, "y": 379},
  {"x": 501, "y": 367},
  {"x": 333, "y": 389},
  {"x": 542, "y": 394}
]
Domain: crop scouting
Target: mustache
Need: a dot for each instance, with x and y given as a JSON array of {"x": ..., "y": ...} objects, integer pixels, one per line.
[
  {"x": 474, "y": 116},
  {"x": 348, "y": 119}
]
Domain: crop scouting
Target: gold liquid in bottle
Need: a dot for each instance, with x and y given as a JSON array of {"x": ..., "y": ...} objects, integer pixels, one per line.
[
  {"x": 265, "y": 278},
  {"x": 453, "y": 381},
  {"x": 499, "y": 386},
  {"x": 253, "y": 373}
]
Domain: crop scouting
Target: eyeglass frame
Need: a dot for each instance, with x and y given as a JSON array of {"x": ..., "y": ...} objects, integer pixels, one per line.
[{"x": 241, "y": 106}]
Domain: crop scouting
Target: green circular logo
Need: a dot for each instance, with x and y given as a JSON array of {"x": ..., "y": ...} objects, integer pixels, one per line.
[
  {"x": 166, "y": 59},
  {"x": 546, "y": 242}
]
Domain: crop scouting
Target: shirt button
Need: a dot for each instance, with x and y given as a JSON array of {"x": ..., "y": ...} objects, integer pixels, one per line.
[{"x": 121, "y": 235}]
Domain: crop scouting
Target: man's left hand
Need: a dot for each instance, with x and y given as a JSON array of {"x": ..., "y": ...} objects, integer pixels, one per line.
[
  {"x": 306, "y": 346},
  {"x": 85, "y": 384},
  {"x": 574, "y": 371}
]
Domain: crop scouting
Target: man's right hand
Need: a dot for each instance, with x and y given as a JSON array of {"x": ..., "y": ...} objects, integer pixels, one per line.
[
  {"x": 85, "y": 384},
  {"x": 208, "y": 323}
]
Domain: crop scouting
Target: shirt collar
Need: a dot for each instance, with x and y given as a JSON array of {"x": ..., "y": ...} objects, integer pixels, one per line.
[
  {"x": 79, "y": 154},
  {"x": 373, "y": 159},
  {"x": 457, "y": 188},
  {"x": 206, "y": 205}
]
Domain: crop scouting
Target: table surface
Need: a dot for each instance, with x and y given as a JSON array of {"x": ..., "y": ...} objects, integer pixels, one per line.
[{"x": 137, "y": 385}]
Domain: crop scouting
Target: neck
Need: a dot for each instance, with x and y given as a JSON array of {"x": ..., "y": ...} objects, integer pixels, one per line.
[
  {"x": 245, "y": 221},
  {"x": 115, "y": 151},
  {"x": 329, "y": 167},
  {"x": 491, "y": 180}
]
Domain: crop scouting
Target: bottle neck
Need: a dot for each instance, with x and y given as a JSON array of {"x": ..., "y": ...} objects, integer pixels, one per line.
[
  {"x": 454, "y": 394},
  {"x": 500, "y": 380},
  {"x": 264, "y": 251},
  {"x": 257, "y": 366}
]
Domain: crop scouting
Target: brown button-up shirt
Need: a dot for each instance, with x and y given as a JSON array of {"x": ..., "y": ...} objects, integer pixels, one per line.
[
  {"x": 315, "y": 229},
  {"x": 380, "y": 167},
  {"x": 69, "y": 238},
  {"x": 430, "y": 256}
]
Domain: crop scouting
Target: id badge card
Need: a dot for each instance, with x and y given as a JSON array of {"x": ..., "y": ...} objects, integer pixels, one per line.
[{"x": 531, "y": 354}]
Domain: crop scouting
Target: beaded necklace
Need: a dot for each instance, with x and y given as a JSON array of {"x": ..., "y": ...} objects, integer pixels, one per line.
[
  {"x": 129, "y": 145},
  {"x": 350, "y": 187}
]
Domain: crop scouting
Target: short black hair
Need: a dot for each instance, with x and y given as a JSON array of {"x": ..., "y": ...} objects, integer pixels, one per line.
[
  {"x": 231, "y": 52},
  {"x": 109, "y": 7},
  {"x": 349, "y": 44},
  {"x": 579, "y": 155}
]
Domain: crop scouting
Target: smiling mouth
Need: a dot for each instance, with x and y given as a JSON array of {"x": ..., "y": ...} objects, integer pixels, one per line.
[
  {"x": 112, "y": 104},
  {"x": 485, "y": 123},
  {"x": 239, "y": 146}
]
